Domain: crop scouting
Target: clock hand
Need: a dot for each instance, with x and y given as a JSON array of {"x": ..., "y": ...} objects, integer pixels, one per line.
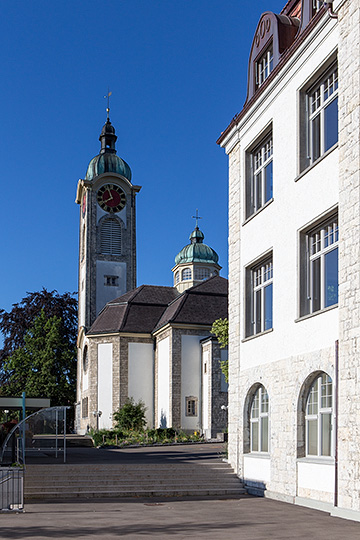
[{"x": 109, "y": 198}]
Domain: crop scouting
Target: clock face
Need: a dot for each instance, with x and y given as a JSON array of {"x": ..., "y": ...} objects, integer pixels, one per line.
[{"x": 111, "y": 198}]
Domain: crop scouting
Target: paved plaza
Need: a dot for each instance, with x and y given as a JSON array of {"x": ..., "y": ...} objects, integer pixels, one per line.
[{"x": 244, "y": 518}]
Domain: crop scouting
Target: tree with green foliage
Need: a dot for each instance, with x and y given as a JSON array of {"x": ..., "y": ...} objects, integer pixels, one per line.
[
  {"x": 15, "y": 323},
  {"x": 221, "y": 330},
  {"x": 131, "y": 415},
  {"x": 45, "y": 365}
]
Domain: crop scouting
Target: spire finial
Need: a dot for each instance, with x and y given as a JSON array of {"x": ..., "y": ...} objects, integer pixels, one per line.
[
  {"x": 108, "y": 104},
  {"x": 197, "y": 217}
]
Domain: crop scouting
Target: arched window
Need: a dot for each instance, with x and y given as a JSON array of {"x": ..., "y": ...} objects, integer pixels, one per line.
[
  {"x": 259, "y": 421},
  {"x": 85, "y": 359},
  {"x": 110, "y": 237},
  {"x": 202, "y": 273},
  {"x": 186, "y": 274},
  {"x": 177, "y": 277},
  {"x": 318, "y": 417}
]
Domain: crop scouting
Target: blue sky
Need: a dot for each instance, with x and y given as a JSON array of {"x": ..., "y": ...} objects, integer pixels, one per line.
[{"x": 177, "y": 71}]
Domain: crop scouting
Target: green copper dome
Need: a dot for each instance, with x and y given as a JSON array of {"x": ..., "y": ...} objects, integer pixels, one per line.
[
  {"x": 107, "y": 161},
  {"x": 197, "y": 251},
  {"x": 111, "y": 163}
]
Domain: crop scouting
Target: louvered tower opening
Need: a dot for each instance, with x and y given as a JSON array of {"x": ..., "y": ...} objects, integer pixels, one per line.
[{"x": 110, "y": 237}]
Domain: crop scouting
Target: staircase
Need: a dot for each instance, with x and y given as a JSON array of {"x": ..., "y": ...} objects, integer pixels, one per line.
[{"x": 211, "y": 478}]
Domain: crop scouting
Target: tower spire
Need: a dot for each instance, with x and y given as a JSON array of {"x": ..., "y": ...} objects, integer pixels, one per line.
[
  {"x": 107, "y": 136},
  {"x": 108, "y": 105},
  {"x": 197, "y": 217}
]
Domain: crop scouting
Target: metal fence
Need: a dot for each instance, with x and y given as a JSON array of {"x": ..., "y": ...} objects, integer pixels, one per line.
[{"x": 12, "y": 488}]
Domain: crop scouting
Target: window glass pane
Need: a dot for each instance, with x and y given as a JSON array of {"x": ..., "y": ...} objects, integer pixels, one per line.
[
  {"x": 258, "y": 312},
  {"x": 268, "y": 181},
  {"x": 330, "y": 125},
  {"x": 331, "y": 278},
  {"x": 325, "y": 434},
  {"x": 255, "y": 406},
  {"x": 264, "y": 401},
  {"x": 312, "y": 405},
  {"x": 264, "y": 434},
  {"x": 315, "y": 137},
  {"x": 315, "y": 293},
  {"x": 255, "y": 436},
  {"x": 326, "y": 391},
  {"x": 312, "y": 432},
  {"x": 268, "y": 307},
  {"x": 258, "y": 190}
]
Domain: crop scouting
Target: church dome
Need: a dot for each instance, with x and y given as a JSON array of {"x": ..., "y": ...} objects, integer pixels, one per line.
[
  {"x": 107, "y": 161},
  {"x": 103, "y": 163},
  {"x": 197, "y": 251}
]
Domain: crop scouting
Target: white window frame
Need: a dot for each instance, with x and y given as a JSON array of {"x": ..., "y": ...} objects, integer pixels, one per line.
[
  {"x": 320, "y": 241},
  {"x": 259, "y": 418},
  {"x": 261, "y": 276},
  {"x": 318, "y": 98},
  {"x": 319, "y": 405},
  {"x": 201, "y": 273},
  {"x": 260, "y": 159},
  {"x": 186, "y": 274},
  {"x": 264, "y": 66}
]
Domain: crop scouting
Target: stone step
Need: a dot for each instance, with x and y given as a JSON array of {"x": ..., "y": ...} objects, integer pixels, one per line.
[
  {"x": 136, "y": 492},
  {"x": 130, "y": 486}
]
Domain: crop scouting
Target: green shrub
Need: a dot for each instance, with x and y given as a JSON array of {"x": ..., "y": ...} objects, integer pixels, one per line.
[{"x": 131, "y": 415}]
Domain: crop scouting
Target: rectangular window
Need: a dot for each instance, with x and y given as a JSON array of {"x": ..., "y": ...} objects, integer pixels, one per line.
[
  {"x": 264, "y": 66},
  {"x": 259, "y": 181},
  {"x": 191, "y": 406},
  {"x": 321, "y": 111},
  {"x": 319, "y": 267},
  {"x": 259, "y": 317},
  {"x": 111, "y": 281},
  {"x": 85, "y": 407}
]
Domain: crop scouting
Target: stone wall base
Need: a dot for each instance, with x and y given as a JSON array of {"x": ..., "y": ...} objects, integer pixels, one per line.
[{"x": 345, "y": 513}]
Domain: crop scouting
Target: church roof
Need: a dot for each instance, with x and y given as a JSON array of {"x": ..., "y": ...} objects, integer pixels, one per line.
[
  {"x": 201, "y": 304},
  {"x": 136, "y": 311},
  {"x": 149, "y": 307}
]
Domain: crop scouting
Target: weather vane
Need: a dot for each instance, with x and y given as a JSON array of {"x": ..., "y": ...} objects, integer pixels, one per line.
[
  {"x": 197, "y": 217},
  {"x": 108, "y": 103}
]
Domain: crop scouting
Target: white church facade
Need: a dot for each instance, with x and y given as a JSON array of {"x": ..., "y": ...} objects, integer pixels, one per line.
[
  {"x": 151, "y": 343},
  {"x": 294, "y": 260}
]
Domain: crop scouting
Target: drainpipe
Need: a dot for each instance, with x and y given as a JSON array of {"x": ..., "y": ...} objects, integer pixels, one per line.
[
  {"x": 331, "y": 14},
  {"x": 336, "y": 488}
]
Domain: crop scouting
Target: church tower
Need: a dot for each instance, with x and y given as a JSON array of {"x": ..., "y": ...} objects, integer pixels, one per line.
[
  {"x": 195, "y": 262},
  {"x": 107, "y": 247}
]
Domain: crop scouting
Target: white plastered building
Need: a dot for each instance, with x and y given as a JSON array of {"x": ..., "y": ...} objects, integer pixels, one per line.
[{"x": 294, "y": 260}]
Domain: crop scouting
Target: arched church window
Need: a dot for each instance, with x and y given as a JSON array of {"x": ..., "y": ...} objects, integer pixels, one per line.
[
  {"x": 318, "y": 417},
  {"x": 85, "y": 359},
  {"x": 202, "y": 273},
  {"x": 186, "y": 274},
  {"x": 110, "y": 237},
  {"x": 177, "y": 277}
]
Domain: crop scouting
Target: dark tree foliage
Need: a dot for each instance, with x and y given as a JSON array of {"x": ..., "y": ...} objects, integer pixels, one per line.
[
  {"x": 45, "y": 366},
  {"x": 15, "y": 324}
]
